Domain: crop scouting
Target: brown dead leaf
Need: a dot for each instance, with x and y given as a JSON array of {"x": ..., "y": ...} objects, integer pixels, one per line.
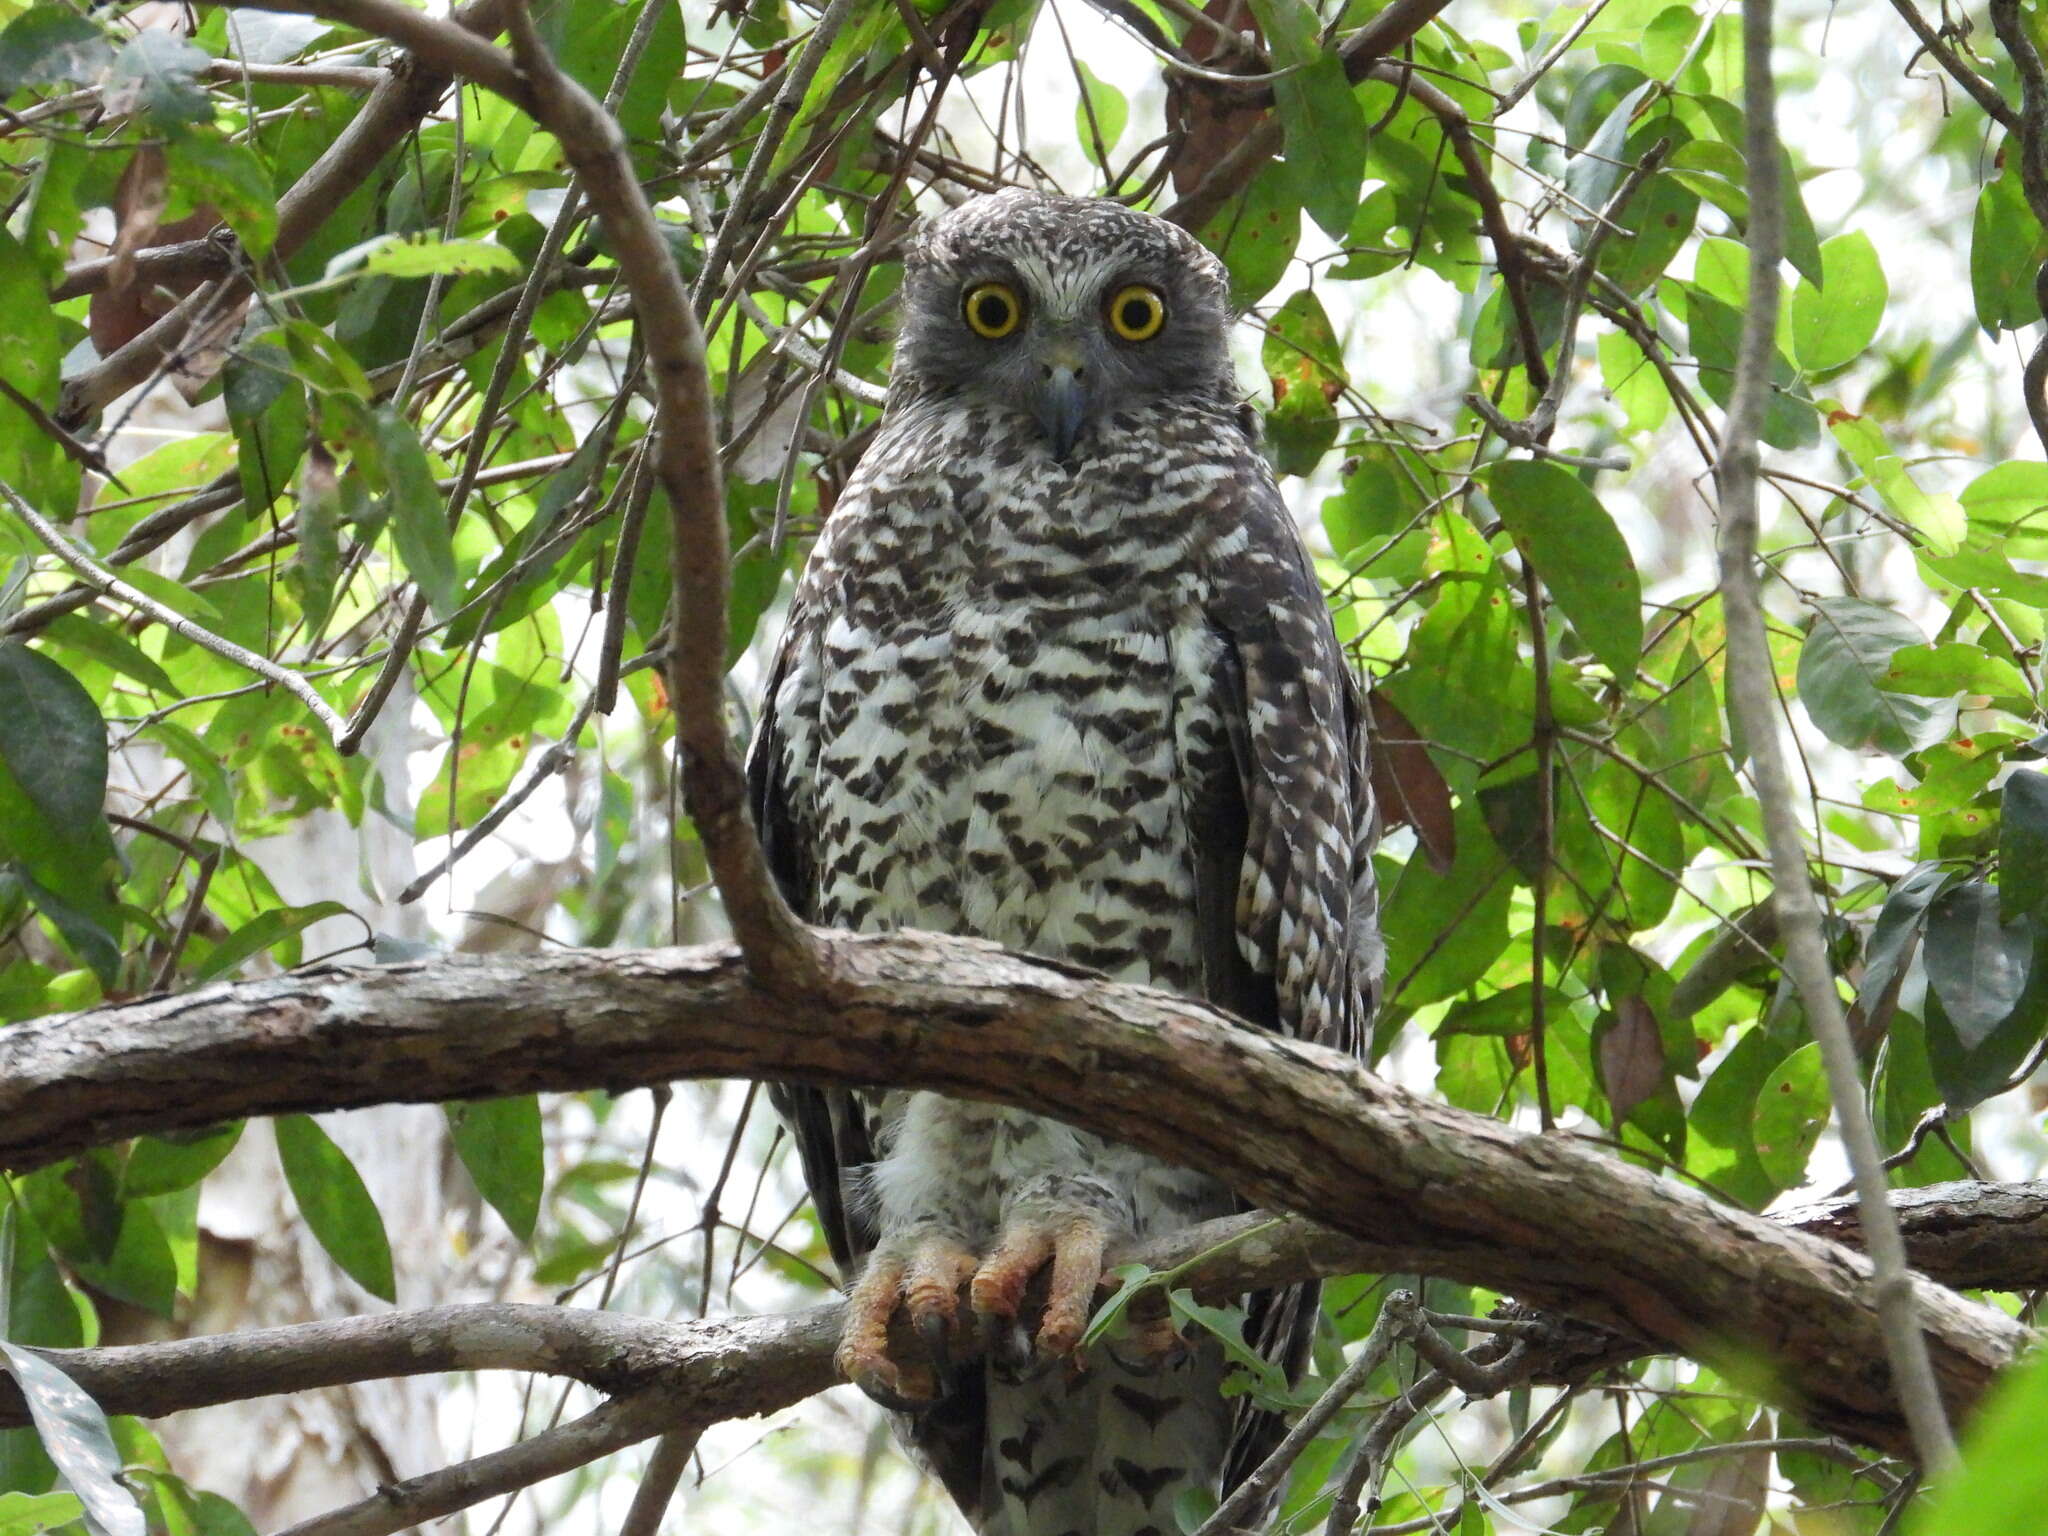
[
  {"x": 1631, "y": 1056},
  {"x": 139, "y": 198},
  {"x": 1410, "y": 791},
  {"x": 1209, "y": 118}
]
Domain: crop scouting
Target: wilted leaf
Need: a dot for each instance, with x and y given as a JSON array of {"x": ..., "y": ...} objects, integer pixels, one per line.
[
  {"x": 1407, "y": 786},
  {"x": 1631, "y": 1056}
]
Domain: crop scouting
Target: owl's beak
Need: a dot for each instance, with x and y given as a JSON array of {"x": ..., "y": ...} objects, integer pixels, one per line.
[{"x": 1061, "y": 402}]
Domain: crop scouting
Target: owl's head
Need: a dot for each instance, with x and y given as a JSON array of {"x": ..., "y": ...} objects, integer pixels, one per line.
[{"x": 1067, "y": 308}]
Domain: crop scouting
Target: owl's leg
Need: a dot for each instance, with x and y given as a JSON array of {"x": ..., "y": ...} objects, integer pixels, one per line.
[
  {"x": 1065, "y": 1225},
  {"x": 920, "y": 1270}
]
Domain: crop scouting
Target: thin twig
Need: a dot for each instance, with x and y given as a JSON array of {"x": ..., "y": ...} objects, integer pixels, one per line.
[
  {"x": 104, "y": 581},
  {"x": 1265, "y": 1479}
]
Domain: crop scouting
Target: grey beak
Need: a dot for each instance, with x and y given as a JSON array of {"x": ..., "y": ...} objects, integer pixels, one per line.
[{"x": 1060, "y": 407}]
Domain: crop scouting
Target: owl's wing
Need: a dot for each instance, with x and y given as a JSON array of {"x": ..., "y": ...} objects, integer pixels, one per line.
[
  {"x": 829, "y": 1125},
  {"x": 1304, "y": 906},
  {"x": 1284, "y": 827}
]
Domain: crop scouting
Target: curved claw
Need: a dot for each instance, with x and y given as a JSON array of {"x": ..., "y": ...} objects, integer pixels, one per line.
[
  {"x": 933, "y": 1327},
  {"x": 872, "y": 1382}
]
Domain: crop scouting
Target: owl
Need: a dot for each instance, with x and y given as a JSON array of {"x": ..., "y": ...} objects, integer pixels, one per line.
[{"x": 1058, "y": 674}]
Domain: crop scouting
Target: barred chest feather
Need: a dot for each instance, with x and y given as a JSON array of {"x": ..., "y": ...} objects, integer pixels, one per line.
[{"x": 1017, "y": 684}]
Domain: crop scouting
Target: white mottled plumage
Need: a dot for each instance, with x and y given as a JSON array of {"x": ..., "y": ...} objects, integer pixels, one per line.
[{"x": 1088, "y": 706}]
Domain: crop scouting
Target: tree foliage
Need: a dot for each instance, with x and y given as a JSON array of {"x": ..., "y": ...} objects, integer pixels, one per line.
[{"x": 1493, "y": 267}]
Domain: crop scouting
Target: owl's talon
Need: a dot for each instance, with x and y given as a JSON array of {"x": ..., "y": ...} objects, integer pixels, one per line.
[
  {"x": 899, "y": 1391},
  {"x": 922, "y": 1275},
  {"x": 933, "y": 1327},
  {"x": 1074, "y": 1242}
]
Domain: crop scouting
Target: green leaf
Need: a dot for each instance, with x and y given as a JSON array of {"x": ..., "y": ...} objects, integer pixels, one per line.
[
  {"x": 1948, "y": 671},
  {"x": 500, "y": 1143},
  {"x": 2023, "y": 847},
  {"x": 53, "y": 782},
  {"x": 336, "y": 1204},
  {"x": 1898, "y": 926},
  {"x": 419, "y": 518},
  {"x": 2001, "y": 1483},
  {"x": 1976, "y": 964},
  {"x": 424, "y": 255},
  {"x": 1255, "y": 236},
  {"x": 2008, "y": 497},
  {"x": 157, "y": 72},
  {"x": 1791, "y": 1111},
  {"x": 1841, "y": 671},
  {"x": 1100, "y": 114},
  {"x": 1833, "y": 322},
  {"x": 1563, "y": 530},
  {"x": 230, "y": 177},
  {"x": 51, "y": 45},
  {"x": 260, "y": 933},
  {"x": 112, "y": 649},
  {"x": 25, "y": 1514},
  {"x": 75, "y": 1434},
  {"x": 2007, "y": 248},
  {"x": 29, "y": 338},
  {"x": 1319, "y": 114},
  {"x": 163, "y": 1165}
]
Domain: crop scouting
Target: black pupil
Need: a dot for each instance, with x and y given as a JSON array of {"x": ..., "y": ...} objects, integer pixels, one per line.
[
  {"x": 993, "y": 311},
  {"x": 1137, "y": 314}
]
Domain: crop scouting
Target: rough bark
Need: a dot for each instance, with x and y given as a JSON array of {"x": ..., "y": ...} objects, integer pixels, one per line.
[
  {"x": 1551, "y": 1220},
  {"x": 1959, "y": 1234}
]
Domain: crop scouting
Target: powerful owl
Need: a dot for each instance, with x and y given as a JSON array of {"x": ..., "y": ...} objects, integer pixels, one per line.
[{"x": 1059, "y": 675}]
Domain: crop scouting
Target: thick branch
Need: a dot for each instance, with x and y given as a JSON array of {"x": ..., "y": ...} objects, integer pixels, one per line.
[{"x": 1553, "y": 1221}]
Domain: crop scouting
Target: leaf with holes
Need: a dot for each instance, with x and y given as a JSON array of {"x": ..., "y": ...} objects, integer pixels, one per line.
[
  {"x": 1305, "y": 367},
  {"x": 1791, "y": 1111}
]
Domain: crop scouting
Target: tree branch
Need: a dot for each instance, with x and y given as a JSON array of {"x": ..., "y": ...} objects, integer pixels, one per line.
[
  {"x": 1752, "y": 700},
  {"x": 1992, "y": 1235},
  {"x": 1548, "y": 1219}
]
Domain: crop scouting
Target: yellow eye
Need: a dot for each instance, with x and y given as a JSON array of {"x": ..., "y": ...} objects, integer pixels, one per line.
[
  {"x": 1137, "y": 312},
  {"x": 993, "y": 310}
]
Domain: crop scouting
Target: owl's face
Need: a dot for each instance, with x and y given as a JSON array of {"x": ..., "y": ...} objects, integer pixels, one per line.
[{"x": 1063, "y": 308}]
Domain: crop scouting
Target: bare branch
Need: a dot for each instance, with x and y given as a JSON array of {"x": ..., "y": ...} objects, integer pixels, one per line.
[
  {"x": 1548, "y": 1219},
  {"x": 1752, "y": 699}
]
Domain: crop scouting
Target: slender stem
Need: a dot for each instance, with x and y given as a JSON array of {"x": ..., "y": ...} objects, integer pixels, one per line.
[
  {"x": 95, "y": 575},
  {"x": 1751, "y": 696}
]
